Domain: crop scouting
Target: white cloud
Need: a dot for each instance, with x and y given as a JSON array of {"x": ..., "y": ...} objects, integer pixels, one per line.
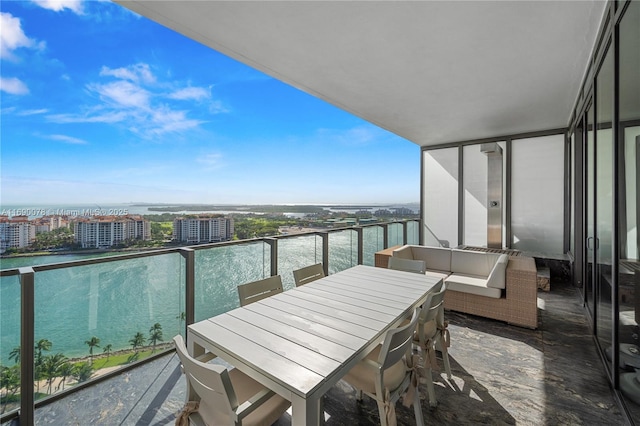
[
  {"x": 12, "y": 37},
  {"x": 210, "y": 161},
  {"x": 68, "y": 139},
  {"x": 108, "y": 117},
  {"x": 138, "y": 73},
  {"x": 190, "y": 93},
  {"x": 60, "y": 5},
  {"x": 123, "y": 93},
  {"x": 33, "y": 112},
  {"x": 13, "y": 86},
  {"x": 167, "y": 120}
]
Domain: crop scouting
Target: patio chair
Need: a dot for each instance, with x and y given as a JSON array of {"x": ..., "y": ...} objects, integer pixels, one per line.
[
  {"x": 217, "y": 396},
  {"x": 408, "y": 265},
  {"x": 258, "y": 290},
  {"x": 307, "y": 274},
  {"x": 389, "y": 372},
  {"x": 432, "y": 333}
]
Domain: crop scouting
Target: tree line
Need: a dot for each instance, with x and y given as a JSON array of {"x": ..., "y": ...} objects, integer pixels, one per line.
[{"x": 52, "y": 366}]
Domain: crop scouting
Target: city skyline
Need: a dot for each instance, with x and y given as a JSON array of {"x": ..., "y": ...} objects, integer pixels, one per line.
[{"x": 100, "y": 105}]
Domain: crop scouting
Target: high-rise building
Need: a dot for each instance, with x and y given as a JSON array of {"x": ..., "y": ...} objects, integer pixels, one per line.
[
  {"x": 202, "y": 228},
  {"x": 107, "y": 231},
  {"x": 16, "y": 232}
]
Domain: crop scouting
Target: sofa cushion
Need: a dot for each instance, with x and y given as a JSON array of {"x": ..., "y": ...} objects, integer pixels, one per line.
[
  {"x": 472, "y": 284},
  {"x": 436, "y": 258},
  {"x": 467, "y": 262},
  {"x": 441, "y": 275},
  {"x": 497, "y": 276}
]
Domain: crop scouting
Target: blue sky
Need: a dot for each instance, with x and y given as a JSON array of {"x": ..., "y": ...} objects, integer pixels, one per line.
[{"x": 100, "y": 105}]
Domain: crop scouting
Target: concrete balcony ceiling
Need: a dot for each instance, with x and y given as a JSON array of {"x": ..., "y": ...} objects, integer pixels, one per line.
[{"x": 432, "y": 72}]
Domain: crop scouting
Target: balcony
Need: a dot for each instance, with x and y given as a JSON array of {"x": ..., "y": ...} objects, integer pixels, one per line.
[{"x": 502, "y": 373}]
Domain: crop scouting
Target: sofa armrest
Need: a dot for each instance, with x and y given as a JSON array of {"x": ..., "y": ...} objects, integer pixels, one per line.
[{"x": 404, "y": 252}]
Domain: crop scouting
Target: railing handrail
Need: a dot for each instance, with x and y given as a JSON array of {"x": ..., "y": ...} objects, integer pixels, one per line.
[
  {"x": 196, "y": 247},
  {"x": 27, "y": 279}
]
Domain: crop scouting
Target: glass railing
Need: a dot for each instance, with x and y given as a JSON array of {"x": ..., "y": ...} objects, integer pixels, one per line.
[
  {"x": 10, "y": 343},
  {"x": 96, "y": 317}
]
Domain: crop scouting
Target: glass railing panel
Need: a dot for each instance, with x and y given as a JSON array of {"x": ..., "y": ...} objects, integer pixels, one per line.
[
  {"x": 10, "y": 344},
  {"x": 219, "y": 271},
  {"x": 413, "y": 232},
  {"x": 295, "y": 253},
  {"x": 394, "y": 232},
  {"x": 92, "y": 318},
  {"x": 343, "y": 250},
  {"x": 373, "y": 240}
]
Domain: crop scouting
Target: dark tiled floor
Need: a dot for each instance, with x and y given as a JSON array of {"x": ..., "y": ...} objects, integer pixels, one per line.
[{"x": 501, "y": 375}]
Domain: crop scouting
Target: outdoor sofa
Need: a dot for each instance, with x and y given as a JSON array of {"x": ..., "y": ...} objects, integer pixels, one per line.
[{"x": 491, "y": 285}]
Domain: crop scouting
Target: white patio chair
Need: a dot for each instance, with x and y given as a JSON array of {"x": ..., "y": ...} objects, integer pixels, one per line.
[
  {"x": 226, "y": 397},
  {"x": 258, "y": 290},
  {"x": 389, "y": 372},
  {"x": 308, "y": 274},
  {"x": 408, "y": 265},
  {"x": 431, "y": 333}
]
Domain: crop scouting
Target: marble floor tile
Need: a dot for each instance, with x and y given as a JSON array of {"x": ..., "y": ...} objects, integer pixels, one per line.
[{"x": 502, "y": 375}]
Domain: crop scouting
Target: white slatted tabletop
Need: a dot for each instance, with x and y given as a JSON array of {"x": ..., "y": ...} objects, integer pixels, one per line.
[{"x": 301, "y": 342}]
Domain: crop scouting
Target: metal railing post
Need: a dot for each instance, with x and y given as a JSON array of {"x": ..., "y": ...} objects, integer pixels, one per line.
[
  {"x": 27, "y": 346},
  {"x": 385, "y": 235},
  {"x": 273, "y": 244},
  {"x": 190, "y": 285},
  {"x": 360, "y": 233},
  {"x": 404, "y": 233},
  {"x": 325, "y": 251}
]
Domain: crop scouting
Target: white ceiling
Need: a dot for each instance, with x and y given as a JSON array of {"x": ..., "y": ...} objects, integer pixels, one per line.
[{"x": 431, "y": 72}]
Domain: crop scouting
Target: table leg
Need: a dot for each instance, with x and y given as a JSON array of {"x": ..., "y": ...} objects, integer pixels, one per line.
[{"x": 307, "y": 411}]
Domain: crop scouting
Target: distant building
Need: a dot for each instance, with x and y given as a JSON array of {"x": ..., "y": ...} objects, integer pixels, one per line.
[
  {"x": 107, "y": 231},
  {"x": 16, "y": 232},
  {"x": 382, "y": 212},
  {"x": 202, "y": 229},
  {"x": 49, "y": 223},
  {"x": 403, "y": 211}
]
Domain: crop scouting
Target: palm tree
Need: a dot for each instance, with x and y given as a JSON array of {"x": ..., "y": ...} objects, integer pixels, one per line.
[
  {"x": 82, "y": 372},
  {"x": 65, "y": 370},
  {"x": 15, "y": 354},
  {"x": 94, "y": 342},
  {"x": 10, "y": 381},
  {"x": 155, "y": 335},
  {"x": 42, "y": 345},
  {"x": 138, "y": 340},
  {"x": 50, "y": 366},
  {"x": 107, "y": 349}
]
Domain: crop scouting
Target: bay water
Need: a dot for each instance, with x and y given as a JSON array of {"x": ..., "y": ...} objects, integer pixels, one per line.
[{"x": 115, "y": 300}]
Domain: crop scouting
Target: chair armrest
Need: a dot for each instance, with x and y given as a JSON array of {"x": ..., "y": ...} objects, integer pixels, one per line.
[
  {"x": 206, "y": 357},
  {"x": 254, "y": 402}
]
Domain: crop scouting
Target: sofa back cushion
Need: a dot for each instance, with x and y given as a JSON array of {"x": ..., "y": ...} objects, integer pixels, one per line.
[
  {"x": 473, "y": 262},
  {"x": 436, "y": 258},
  {"x": 497, "y": 277}
]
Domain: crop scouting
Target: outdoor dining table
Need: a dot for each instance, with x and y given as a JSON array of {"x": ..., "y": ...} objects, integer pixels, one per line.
[{"x": 301, "y": 342}]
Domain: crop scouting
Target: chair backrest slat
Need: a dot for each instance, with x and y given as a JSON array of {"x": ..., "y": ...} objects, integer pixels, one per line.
[
  {"x": 258, "y": 290},
  {"x": 308, "y": 274},
  {"x": 408, "y": 265},
  {"x": 433, "y": 307},
  {"x": 397, "y": 342},
  {"x": 210, "y": 385}
]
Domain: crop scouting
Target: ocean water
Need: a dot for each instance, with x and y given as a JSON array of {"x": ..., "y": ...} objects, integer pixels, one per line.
[{"x": 115, "y": 300}]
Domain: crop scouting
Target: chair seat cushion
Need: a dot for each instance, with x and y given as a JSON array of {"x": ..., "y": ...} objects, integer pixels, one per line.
[
  {"x": 362, "y": 375},
  {"x": 267, "y": 414},
  {"x": 472, "y": 284},
  {"x": 437, "y": 274}
]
